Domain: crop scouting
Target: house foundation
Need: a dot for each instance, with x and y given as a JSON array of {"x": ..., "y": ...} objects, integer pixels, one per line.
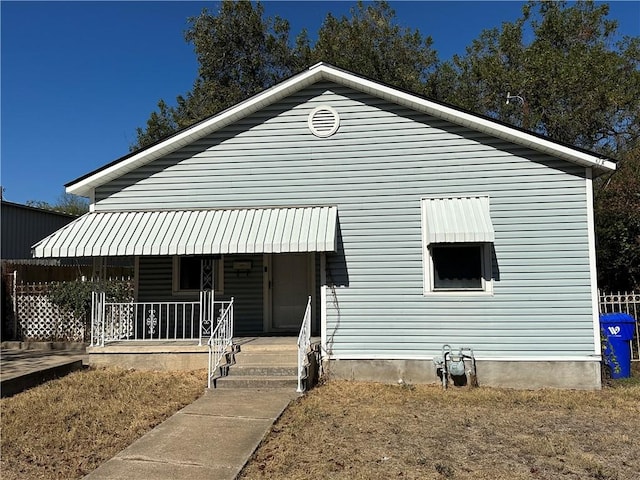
[
  {"x": 151, "y": 356},
  {"x": 579, "y": 375}
]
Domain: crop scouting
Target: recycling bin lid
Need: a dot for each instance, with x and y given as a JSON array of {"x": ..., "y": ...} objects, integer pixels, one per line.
[{"x": 616, "y": 318}]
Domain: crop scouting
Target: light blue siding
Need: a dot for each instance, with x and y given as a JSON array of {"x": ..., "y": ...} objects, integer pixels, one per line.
[{"x": 376, "y": 168}]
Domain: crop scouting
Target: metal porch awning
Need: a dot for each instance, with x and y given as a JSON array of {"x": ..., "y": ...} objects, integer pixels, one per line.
[
  {"x": 194, "y": 232},
  {"x": 457, "y": 220}
]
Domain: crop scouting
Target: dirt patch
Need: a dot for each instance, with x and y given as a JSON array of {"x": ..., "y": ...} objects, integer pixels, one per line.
[
  {"x": 364, "y": 430},
  {"x": 66, "y": 428}
]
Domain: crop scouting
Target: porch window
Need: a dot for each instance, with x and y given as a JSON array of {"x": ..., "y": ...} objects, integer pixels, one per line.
[
  {"x": 194, "y": 273},
  {"x": 457, "y": 240}
]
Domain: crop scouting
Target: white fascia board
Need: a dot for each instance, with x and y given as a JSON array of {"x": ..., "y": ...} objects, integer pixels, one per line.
[
  {"x": 85, "y": 186},
  {"x": 468, "y": 120}
]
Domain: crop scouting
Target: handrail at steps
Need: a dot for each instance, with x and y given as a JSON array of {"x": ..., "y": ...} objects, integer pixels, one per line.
[
  {"x": 304, "y": 342},
  {"x": 221, "y": 338}
]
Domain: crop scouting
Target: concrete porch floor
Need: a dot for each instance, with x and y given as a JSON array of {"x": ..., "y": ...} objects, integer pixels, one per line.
[{"x": 177, "y": 354}]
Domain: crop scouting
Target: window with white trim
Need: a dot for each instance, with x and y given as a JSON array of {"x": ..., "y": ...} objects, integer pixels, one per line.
[
  {"x": 457, "y": 244},
  {"x": 194, "y": 273}
]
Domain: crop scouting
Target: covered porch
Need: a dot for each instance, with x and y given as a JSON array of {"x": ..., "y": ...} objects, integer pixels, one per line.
[
  {"x": 204, "y": 277},
  {"x": 259, "y": 265}
]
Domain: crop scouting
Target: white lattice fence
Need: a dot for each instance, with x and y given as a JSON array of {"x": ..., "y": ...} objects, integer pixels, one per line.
[{"x": 39, "y": 319}]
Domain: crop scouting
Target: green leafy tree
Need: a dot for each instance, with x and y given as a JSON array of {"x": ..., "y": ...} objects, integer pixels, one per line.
[
  {"x": 370, "y": 42},
  {"x": 617, "y": 201},
  {"x": 75, "y": 297},
  {"x": 66, "y": 203},
  {"x": 239, "y": 52},
  {"x": 576, "y": 84}
]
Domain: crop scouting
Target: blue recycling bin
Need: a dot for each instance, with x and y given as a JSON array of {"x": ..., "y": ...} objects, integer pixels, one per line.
[{"x": 618, "y": 329}]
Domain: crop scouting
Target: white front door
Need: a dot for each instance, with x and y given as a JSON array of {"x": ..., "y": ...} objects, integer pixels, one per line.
[{"x": 291, "y": 285}]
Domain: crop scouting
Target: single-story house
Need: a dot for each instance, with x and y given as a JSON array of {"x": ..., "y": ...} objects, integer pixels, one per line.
[{"x": 409, "y": 223}]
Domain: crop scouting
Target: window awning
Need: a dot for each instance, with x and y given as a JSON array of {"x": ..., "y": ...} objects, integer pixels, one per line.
[
  {"x": 457, "y": 220},
  {"x": 194, "y": 232}
]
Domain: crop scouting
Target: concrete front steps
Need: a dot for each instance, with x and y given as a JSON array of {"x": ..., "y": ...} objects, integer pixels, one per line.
[{"x": 267, "y": 363}]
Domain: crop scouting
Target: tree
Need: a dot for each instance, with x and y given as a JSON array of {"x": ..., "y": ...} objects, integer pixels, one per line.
[
  {"x": 239, "y": 52},
  {"x": 371, "y": 43},
  {"x": 576, "y": 85},
  {"x": 66, "y": 203},
  {"x": 74, "y": 297},
  {"x": 617, "y": 203}
]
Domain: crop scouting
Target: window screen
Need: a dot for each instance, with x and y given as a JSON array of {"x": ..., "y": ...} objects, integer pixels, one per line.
[{"x": 457, "y": 267}]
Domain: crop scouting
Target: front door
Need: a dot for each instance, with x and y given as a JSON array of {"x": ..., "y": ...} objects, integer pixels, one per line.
[{"x": 291, "y": 285}]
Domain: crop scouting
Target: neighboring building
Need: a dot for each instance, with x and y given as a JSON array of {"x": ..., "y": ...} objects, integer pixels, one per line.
[
  {"x": 410, "y": 223},
  {"x": 22, "y": 226}
]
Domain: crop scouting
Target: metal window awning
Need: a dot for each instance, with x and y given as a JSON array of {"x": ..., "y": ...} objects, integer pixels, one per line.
[
  {"x": 457, "y": 220},
  {"x": 195, "y": 232}
]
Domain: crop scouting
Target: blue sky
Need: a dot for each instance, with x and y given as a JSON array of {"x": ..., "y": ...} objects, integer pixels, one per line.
[{"x": 77, "y": 78}]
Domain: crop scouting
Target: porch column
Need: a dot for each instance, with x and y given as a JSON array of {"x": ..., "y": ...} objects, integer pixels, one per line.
[{"x": 323, "y": 304}]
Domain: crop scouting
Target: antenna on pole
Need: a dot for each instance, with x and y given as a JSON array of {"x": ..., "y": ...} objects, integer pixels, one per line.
[
  {"x": 525, "y": 108},
  {"x": 514, "y": 97}
]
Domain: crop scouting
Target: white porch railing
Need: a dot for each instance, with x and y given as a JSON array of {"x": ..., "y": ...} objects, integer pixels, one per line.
[
  {"x": 136, "y": 321},
  {"x": 304, "y": 342},
  {"x": 624, "y": 302},
  {"x": 220, "y": 342}
]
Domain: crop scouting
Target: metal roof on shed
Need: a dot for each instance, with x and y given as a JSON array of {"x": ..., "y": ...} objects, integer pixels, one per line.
[{"x": 195, "y": 232}]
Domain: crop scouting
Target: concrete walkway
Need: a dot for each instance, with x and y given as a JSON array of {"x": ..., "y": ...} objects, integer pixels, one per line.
[
  {"x": 212, "y": 438},
  {"x": 27, "y": 367}
]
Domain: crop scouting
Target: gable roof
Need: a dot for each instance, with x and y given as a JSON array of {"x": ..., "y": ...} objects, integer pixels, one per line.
[{"x": 325, "y": 72}]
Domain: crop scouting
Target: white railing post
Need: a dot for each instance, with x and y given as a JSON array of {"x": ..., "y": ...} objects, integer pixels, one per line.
[
  {"x": 304, "y": 341},
  {"x": 202, "y": 293},
  {"x": 93, "y": 316},
  {"x": 103, "y": 318},
  {"x": 232, "y": 319},
  {"x": 207, "y": 305}
]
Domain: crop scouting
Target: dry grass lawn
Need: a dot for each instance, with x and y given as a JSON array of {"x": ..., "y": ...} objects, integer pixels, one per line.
[
  {"x": 341, "y": 430},
  {"x": 349, "y": 430},
  {"x": 66, "y": 428}
]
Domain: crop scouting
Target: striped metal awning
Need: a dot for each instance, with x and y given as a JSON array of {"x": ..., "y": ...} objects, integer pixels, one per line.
[
  {"x": 194, "y": 232},
  {"x": 457, "y": 220}
]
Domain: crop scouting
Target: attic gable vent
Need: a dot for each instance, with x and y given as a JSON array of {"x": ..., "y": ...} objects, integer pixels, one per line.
[{"x": 323, "y": 121}]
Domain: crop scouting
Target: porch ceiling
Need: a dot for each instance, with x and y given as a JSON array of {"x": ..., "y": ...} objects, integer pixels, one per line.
[{"x": 195, "y": 232}]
